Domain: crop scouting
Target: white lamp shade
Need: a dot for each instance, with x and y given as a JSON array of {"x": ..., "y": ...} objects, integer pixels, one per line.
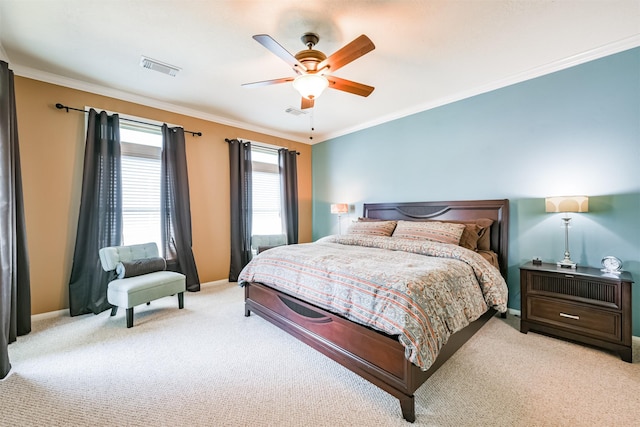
[
  {"x": 567, "y": 204},
  {"x": 310, "y": 86},
  {"x": 339, "y": 208}
]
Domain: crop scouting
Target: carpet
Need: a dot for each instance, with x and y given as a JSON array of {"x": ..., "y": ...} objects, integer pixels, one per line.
[{"x": 209, "y": 365}]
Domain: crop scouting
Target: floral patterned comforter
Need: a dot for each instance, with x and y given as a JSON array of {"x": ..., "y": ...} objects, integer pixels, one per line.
[{"x": 421, "y": 291}]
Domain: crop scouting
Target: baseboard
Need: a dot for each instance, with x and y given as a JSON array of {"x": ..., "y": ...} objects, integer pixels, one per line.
[
  {"x": 50, "y": 315},
  {"x": 215, "y": 283},
  {"x": 65, "y": 312},
  {"x": 513, "y": 311}
]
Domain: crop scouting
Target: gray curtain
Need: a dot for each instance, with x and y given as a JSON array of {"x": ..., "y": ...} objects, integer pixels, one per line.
[
  {"x": 15, "y": 291},
  {"x": 175, "y": 207},
  {"x": 100, "y": 217},
  {"x": 241, "y": 206},
  {"x": 288, "y": 163}
]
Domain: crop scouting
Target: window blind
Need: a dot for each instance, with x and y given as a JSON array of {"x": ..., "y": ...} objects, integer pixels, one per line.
[
  {"x": 266, "y": 215},
  {"x": 141, "y": 193}
]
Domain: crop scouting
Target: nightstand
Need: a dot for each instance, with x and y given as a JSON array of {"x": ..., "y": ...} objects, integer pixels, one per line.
[{"x": 582, "y": 304}]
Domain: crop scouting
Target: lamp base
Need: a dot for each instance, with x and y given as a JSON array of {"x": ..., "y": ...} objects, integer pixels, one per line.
[{"x": 567, "y": 263}]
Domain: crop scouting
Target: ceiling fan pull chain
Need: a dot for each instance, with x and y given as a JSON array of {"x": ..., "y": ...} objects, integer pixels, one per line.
[{"x": 311, "y": 122}]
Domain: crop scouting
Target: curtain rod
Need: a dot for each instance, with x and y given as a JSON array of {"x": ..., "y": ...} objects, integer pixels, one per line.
[
  {"x": 66, "y": 107},
  {"x": 261, "y": 146}
]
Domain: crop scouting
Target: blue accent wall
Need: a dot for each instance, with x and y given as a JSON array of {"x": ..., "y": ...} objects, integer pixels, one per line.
[{"x": 572, "y": 132}]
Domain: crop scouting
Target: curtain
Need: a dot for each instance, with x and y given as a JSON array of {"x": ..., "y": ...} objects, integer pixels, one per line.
[
  {"x": 287, "y": 161},
  {"x": 15, "y": 290},
  {"x": 240, "y": 178},
  {"x": 100, "y": 217},
  {"x": 175, "y": 207}
]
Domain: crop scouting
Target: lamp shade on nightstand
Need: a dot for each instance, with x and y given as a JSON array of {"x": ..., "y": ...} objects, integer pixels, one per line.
[
  {"x": 567, "y": 204},
  {"x": 339, "y": 208}
]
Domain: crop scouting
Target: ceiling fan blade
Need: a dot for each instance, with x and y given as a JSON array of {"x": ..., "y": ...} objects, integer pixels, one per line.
[
  {"x": 282, "y": 53},
  {"x": 306, "y": 103},
  {"x": 348, "y": 53},
  {"x": 268, "y": 82},
  {"x": 349, "y": 86}
]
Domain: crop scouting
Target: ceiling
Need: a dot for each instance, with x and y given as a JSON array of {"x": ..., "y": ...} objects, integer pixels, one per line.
[{"x": 428, "y": 53}]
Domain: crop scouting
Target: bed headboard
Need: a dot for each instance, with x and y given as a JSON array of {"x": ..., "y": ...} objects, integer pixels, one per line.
[{"x": 497, "y": 210}]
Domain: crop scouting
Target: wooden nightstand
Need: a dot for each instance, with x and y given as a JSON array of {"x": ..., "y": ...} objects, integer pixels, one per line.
[{"x": 582, "y": 304}]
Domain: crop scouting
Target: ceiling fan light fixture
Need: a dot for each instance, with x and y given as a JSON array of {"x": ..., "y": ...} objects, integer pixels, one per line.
[{"x": 310, "y": 86}]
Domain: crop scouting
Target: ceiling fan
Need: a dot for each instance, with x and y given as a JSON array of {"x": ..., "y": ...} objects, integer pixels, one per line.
[{"x": 313, "y": 67}]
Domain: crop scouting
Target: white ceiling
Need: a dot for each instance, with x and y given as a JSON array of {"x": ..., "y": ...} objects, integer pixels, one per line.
[{"x": 428, "y": 53}]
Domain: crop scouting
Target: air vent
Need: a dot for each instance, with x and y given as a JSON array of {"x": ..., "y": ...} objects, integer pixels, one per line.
[
  {"x": 294, "y": 111},
  {"x": 161, "y": 67}
]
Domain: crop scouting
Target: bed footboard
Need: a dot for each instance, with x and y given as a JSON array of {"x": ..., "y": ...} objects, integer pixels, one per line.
[{"x": 375, "y": 356}]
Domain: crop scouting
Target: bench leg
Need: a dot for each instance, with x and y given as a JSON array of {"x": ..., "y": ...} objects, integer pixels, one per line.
[
  {"x": 114, "y": 310},
  {"x": 129, "y": 317},
  {"x": 181, "y": 300}
]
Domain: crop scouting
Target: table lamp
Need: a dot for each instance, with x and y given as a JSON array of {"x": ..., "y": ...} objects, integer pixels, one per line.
[
  {"x": 339, "y": 209},
  {"x": 566, "y": 204}
]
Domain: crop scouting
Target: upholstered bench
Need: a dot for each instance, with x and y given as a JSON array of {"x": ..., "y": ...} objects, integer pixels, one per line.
[
  {"x": 132, "y": 288},
  {"x": 262, "y": 242}
]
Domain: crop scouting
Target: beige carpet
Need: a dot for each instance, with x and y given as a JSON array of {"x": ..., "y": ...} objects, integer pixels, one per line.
[{"x": 208, "y": 365}]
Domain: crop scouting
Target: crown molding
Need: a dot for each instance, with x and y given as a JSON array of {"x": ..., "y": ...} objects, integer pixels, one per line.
[
  {"x": 590, "y": 55},
  {"x": 581, "y": 58},
  {"x": 56, "y": 79}
]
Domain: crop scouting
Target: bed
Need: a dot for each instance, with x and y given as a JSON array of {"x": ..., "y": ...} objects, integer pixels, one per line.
[{"x": 379, "y": 354}]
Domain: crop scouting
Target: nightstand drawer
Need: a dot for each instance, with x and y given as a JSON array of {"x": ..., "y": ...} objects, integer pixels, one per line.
[
  {"x": 572, "y": 287},
  {"x": 581, "y": 319}
]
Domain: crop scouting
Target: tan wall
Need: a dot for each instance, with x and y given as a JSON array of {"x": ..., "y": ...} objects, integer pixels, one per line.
[{"x": 52, "y": 150}]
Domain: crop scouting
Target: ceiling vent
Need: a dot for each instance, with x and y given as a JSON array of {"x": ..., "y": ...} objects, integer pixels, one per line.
[
  {"x": 161, "y": 67},
  {"x": 294, "y": 111}
]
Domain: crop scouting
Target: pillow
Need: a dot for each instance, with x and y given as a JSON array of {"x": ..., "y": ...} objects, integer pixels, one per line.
[
  {"x": 482, "y": 229},
  {"x": 372, "y": 228},
  {"x": 470, "y": 236},
  {"x": 138, "y": 267},
  {"x": 484, "y": 236},
  {"x": 476, "y": 235},
  {"x": 364, "y": 219},
  {"x": 443, "y": 232}
]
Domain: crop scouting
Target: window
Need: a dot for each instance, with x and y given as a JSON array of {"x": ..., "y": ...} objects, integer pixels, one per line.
[
  {"x": 267, "y": 208},
  {"x": 141, "y": 161}
]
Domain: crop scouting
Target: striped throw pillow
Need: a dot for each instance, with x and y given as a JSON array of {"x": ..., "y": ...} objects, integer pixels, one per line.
[
  {"x": 443, "y": 232},
  {"x": 372, "y": 228}
]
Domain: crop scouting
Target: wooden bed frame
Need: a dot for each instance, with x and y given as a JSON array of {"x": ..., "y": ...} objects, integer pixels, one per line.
[{"x": 376, "y": 356}]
